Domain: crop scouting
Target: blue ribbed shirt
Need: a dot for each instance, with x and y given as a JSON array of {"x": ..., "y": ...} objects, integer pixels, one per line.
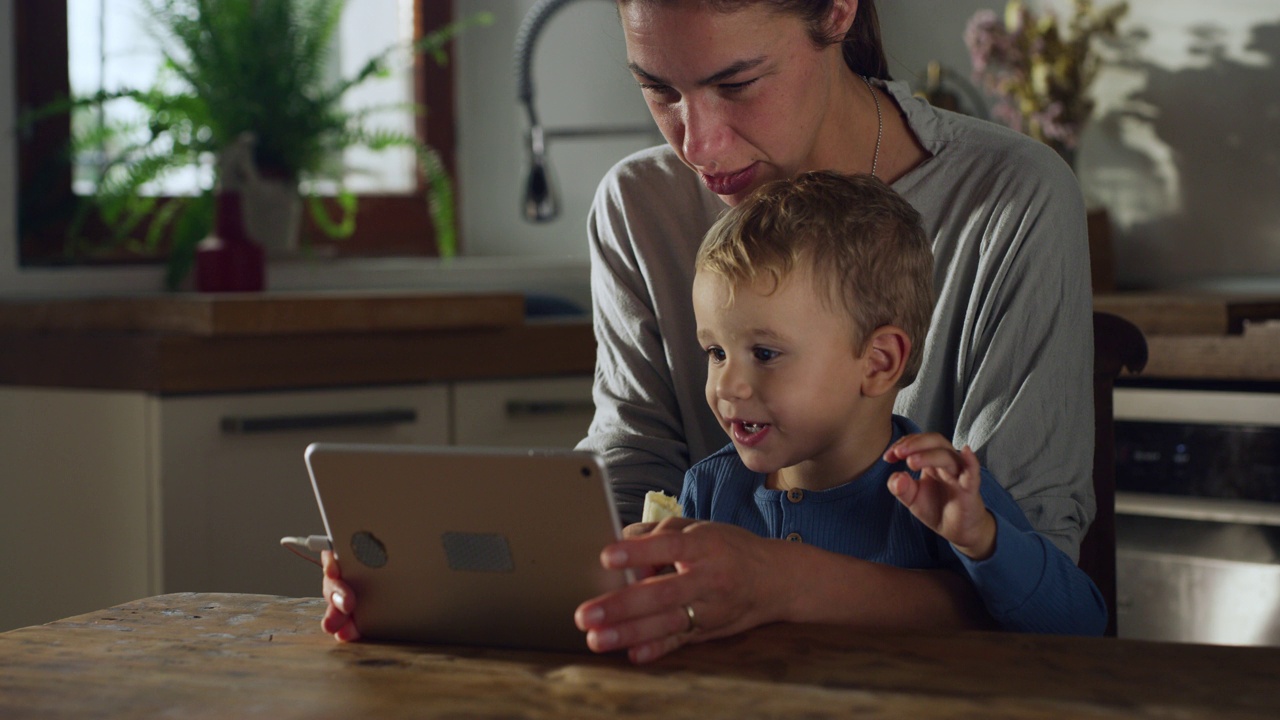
[{"x": 1027, "y": 585}]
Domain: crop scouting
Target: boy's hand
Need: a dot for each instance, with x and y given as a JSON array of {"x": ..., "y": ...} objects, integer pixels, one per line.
[{"x": 946, "y": 496}]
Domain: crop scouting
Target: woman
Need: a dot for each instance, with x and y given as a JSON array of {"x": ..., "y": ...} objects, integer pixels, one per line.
[{"x": 754, "y": 90}]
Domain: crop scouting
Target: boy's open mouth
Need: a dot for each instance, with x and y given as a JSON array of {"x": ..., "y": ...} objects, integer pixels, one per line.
[{"x": 749, "y": 434}]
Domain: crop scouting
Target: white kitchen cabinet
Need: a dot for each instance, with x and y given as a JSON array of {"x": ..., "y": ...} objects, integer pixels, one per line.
[
  {"x": 75, "y": 490},
  {"x": 522, "y": 413},
  {"x": 108, "y": 496},
  {"x": 232, "y": 480},
  {"x": 111, "y": 496}
]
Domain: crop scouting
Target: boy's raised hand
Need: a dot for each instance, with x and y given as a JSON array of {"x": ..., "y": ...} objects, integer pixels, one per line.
[{"x": 946, "y": 496}]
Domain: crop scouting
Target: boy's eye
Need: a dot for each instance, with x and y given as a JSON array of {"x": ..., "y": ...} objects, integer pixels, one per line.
[
  {"x": 765, "y": 355},
  {"x": 715, "y": 354}
]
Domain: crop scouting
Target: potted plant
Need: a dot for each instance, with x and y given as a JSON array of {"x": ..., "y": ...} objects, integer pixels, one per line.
[{"x": 245, "y": 89}]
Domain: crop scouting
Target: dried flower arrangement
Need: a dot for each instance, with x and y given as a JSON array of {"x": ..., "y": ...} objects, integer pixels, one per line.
[{"x": 1040, "y": 74}]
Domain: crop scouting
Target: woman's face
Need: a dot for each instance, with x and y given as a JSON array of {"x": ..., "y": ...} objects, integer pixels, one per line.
[{"x": 743, "y": 97}]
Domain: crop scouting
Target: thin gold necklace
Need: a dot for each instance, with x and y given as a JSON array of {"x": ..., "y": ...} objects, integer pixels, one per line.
[{"x": 875, "y": 159}]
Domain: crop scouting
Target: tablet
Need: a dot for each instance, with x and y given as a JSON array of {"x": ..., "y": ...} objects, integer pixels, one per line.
[{"x": 467, "y": 546}]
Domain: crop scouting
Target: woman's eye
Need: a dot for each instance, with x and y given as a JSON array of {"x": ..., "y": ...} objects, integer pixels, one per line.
[
  {"x": 765, "y": 355},
  {"x": 715, "y": 354},
  {"x": 737, "y": 86},
  {"x": 664, "y": 92}
]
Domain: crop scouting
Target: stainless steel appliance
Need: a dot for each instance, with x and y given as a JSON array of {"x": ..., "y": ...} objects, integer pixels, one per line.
[{"x": 1198, "y": 515}]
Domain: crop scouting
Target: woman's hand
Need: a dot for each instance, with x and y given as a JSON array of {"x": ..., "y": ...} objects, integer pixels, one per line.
[
  {"x": 341, "y": 602},
  {"x": 723, "y": 583},
  {"x": 946, "y": 498}
]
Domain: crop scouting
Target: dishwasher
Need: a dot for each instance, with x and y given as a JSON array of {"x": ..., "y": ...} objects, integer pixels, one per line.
[{"x": 1198, "y": 515}]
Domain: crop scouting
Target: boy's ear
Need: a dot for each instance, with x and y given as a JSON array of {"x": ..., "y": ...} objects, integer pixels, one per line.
[{"x": 886, "y": 352}]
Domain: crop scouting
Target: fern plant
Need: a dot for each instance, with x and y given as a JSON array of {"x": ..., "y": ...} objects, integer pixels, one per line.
[{"x": 244, "y": 66}]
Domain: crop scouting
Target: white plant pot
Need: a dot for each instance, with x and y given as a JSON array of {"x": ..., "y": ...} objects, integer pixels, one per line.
[
  {"x": 271, "y": 206},
  {"x": 272, "y": 215}
]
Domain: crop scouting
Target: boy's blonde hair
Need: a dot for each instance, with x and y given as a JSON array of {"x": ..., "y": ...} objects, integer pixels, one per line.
[{"x": 853, "y": 231}]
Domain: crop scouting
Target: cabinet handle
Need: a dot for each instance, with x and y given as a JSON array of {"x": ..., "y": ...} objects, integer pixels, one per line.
[
  {"x": 543, "y": 408},
  {"x": 317, "y": 421}
]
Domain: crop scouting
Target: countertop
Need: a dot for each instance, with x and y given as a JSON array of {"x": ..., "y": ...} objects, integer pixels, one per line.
[
  {"x": 191, "y": 343},
  {"x": 257, "y": 656},
  {"x": 266, "y": 313},
  {"x": 1203, "y": 336},
  {"x": 180, "y": 344}
]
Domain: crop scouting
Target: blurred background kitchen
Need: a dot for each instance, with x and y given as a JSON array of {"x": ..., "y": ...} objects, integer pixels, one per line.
[{"x": 1181, "y": 156}]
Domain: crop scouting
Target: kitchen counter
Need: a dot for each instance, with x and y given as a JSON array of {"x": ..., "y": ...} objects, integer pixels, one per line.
[
  {"x": 1203, "y": 336},
  {"x": 193, "y": 343},
  {"x": 178, "y": 344}
]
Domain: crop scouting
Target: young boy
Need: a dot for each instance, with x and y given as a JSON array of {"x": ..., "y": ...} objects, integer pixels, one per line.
[{"x": 812, "y": 298}]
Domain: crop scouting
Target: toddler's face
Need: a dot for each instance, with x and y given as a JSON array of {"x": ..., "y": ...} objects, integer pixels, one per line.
[{"x": 783, "y": 375}]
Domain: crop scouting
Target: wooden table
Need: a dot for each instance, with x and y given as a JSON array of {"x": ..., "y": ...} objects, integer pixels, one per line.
[{"x": 256, "y": 656}]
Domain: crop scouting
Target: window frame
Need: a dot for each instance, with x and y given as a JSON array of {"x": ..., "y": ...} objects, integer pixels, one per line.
[{"x": 386, "y": 224}]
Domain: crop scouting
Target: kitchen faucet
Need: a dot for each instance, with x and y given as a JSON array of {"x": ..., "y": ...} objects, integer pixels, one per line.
[{"x": 540, "y": 203}]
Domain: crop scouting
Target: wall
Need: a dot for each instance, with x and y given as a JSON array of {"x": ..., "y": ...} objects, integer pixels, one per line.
[
  {"x": 1185, "y": 148},
  {"x": 1185, "y": 151},
  {"x": 580, "y": 78}
]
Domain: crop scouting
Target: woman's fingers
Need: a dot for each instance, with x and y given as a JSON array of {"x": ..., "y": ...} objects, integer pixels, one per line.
[
  {"x": 636, "y": 601},
  {"x": 721, "y": 586},
  {"x": 648, "y": 652},
  {"x": 335, "y": 591},
  {"x": 666, "y": 622},
  {"x": 339, "y": 625},
  {"x": 339, "y": 601},
  {"x": 671, "y": 524},
  {"x": 649, "y": 617},
  {"x": 664, "y": 545},
  {"x": 635, "y": 530}
]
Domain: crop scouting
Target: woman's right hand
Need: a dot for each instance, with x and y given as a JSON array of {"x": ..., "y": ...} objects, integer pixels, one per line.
[
  {"x": 695, "y": 581},
  {"x": 340, "y": 601}
]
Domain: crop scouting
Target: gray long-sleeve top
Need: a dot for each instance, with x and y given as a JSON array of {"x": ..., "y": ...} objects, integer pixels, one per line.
[{"x": 1007, "y": 362}]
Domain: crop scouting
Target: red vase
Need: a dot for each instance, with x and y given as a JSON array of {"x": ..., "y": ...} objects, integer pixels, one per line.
[{"x": 229, "y": 260}]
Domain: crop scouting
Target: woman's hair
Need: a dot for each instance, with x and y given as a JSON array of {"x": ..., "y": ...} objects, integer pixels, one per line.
[
  {"x": 855, "y": 234},
  {"x": 862, "y": 46}
]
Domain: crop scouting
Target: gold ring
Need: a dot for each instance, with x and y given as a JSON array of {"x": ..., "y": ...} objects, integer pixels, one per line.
[{"x": 693, "y": 620}]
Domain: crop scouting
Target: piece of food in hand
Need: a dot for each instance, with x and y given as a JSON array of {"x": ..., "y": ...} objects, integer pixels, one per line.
[{"x": 658, "y": 505}]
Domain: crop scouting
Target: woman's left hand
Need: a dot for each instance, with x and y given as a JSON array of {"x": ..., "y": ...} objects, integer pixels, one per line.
[{"x": 722, "y": 585}]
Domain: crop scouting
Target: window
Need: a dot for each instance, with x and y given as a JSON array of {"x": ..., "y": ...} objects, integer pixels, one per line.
[{"x": 393, "y": 218}]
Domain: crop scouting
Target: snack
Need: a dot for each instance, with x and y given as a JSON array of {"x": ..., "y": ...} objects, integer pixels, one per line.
[{"x": 658, "y": 505}]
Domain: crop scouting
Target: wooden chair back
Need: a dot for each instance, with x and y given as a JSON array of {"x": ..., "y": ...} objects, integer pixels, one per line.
[{"x": 1117, "y": 345}]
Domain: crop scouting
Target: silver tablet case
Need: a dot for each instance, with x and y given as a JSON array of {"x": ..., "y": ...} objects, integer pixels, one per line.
[{"x": 467, "y": 546}]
